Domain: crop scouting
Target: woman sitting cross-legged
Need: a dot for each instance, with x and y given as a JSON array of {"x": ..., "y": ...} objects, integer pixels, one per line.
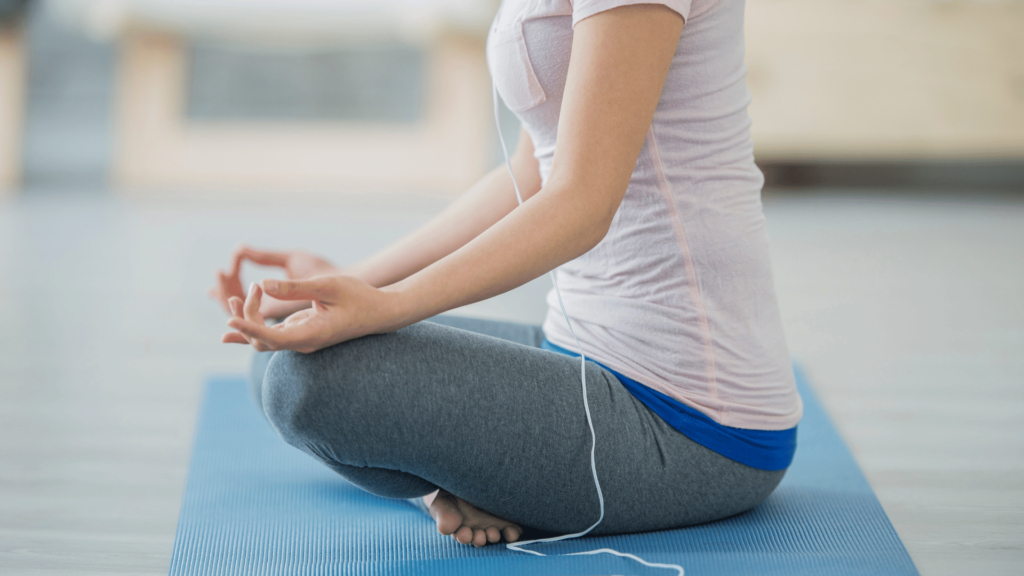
[{"x": 636, "y": 168}]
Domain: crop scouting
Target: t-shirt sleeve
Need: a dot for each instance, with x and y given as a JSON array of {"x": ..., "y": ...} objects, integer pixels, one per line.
[{"x": 586, "y": 8}]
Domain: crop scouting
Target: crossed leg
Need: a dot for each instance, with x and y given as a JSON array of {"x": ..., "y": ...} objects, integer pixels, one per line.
[{"x": 497, "y": 428}]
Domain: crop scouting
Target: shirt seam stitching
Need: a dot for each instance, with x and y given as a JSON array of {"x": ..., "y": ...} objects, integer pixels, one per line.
[{"x": 691, "y": 272}]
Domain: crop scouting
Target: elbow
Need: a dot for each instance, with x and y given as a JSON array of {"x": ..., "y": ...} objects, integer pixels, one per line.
[
  {"x": 597, "y": 221},
  {"x": 599, "y": 229},
  {"x": 593, "y": 210}
]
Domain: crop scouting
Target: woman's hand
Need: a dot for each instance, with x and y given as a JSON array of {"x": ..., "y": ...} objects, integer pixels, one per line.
[
  {"x": 342, "y": 308},
  {"x": 296, "y": 264}
]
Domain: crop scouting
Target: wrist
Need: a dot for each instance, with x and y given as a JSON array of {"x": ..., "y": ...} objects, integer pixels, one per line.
[
  {"x": 401, "y": 306},
  {"x": 363, "y": 273}
]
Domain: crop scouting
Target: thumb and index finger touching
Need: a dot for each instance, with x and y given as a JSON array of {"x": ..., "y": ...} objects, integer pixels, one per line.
[{"x": 249, "y": 323}]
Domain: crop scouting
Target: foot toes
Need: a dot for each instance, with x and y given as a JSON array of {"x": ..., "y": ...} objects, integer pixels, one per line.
[
  {"x": 464, "y": 535},
  {"x": 446, "y": 513},
  {"x": 468, "y": 524}
]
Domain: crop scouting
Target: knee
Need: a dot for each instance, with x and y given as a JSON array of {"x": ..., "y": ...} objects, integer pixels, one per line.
[
  {"x": 256, "y": 375},
  {"x": 290, "y": 394}
]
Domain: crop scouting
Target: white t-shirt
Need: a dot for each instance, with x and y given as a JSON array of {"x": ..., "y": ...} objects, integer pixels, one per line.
[{"x": 679, "y": 295}]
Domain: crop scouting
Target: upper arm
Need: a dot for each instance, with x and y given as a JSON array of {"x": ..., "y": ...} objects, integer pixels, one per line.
[{"x": 620, "y": 58}]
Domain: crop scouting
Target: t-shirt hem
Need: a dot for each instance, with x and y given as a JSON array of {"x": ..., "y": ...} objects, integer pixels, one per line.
[
  {"x": 588, "y": 9},
  {"x": 737, "y": 420},
  {"x": 762, "y": 449}
]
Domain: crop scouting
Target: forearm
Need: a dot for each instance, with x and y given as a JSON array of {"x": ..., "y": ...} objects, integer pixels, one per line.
[
  {"x": 551, "y": 228},
  {"x": 487, "y": 202},
  {"x": 555, "y": 226}
]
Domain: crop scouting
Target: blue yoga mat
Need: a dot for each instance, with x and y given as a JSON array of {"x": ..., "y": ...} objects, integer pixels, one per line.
[{"x": 255, "y": 506}]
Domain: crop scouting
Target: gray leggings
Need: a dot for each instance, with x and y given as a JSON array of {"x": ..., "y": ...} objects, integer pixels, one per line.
[{"x": 477, "y": 408}]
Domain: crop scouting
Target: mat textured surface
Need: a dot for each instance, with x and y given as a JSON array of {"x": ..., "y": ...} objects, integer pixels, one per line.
[{"x": 256, "y": 506}]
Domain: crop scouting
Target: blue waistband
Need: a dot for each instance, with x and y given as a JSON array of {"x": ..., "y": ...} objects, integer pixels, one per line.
[{"x": 761, "y": 449}]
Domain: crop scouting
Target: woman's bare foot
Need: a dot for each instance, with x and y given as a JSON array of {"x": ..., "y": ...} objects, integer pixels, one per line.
[{"x": 467, "y": 523}]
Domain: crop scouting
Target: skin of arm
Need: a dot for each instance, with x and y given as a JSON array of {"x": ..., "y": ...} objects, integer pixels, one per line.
[
  {"x": 487, "y": 202},
  {"x": 619, "y": 62}
]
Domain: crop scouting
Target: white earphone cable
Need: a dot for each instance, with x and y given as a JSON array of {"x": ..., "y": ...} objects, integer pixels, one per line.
[{"x": 518, "y": 546}]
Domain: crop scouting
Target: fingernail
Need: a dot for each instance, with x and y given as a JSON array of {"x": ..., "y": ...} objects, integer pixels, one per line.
[
  {"x": 252, "y": 289},
  {"x": 270, "y": 285}
]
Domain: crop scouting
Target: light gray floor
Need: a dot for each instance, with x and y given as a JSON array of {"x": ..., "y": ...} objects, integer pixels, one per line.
[{"x": 905, "y": 310}]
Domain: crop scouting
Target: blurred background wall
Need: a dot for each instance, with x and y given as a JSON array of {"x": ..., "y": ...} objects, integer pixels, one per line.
[
  {"x": 888, "y": 92},
  {"x": 309, "y": 96}
]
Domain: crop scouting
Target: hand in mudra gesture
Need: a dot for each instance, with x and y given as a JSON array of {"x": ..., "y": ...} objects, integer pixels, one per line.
[
  {"x": 342, "y": 308},
  {"x": 296, "y": 264}
]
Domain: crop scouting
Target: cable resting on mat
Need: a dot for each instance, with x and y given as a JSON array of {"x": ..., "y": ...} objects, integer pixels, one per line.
[{"x": 518, "y": 546}]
